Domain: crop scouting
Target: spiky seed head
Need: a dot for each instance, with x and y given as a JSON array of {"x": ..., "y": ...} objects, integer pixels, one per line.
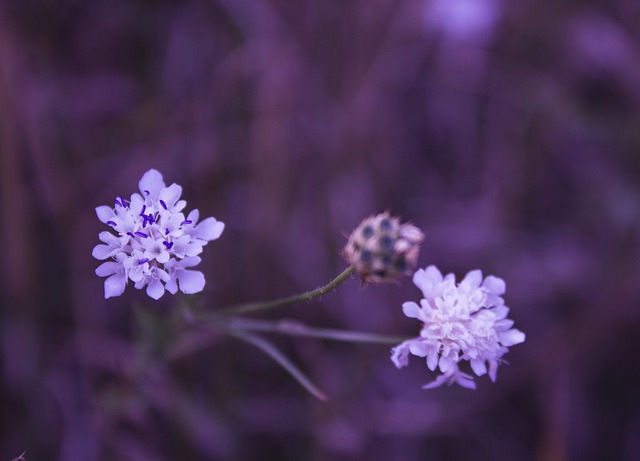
[{"x": 382, "y": 249}]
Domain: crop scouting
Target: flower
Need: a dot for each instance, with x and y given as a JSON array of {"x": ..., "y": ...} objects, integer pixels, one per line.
[
  {"x": 154, "y": 242},
  {"x": 467, "y": 321},
  {"x": 381, "y": 249}
]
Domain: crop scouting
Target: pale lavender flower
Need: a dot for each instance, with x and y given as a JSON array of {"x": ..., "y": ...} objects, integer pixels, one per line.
[
  {"x": 460, "y": 322},
  {"x": 154, "y": 241}
]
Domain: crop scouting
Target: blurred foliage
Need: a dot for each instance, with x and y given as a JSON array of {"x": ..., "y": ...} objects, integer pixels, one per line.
[{"x": 506, "y": 130}]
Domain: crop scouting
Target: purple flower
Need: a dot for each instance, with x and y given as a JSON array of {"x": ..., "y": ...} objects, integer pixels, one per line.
[
  {"x": 463, "y": 322},
  {"x": 153, "y": 242}
]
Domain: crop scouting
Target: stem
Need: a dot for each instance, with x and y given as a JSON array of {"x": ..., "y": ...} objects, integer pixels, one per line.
[
  {"x": 295, "y": 328},
  {"x": 280, "y": 358},
  {"x": 260, "y": 306}
]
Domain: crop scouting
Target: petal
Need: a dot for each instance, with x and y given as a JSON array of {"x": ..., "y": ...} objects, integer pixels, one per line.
[
  {"x": 163, "y": 257},
  {"x": 194, "y": 215},
  {"x": 172, "y": 285},
  {"x": 114, "y": 285},
  {"x": 472, "y": 280},
  {"x": 162, "y": 275},
  {"x": 209, "y": 229},
  {"x": 419, "y": 348},
  {"x": 445, "y": 364},
  {"x": 170, "y": 195},
  {"x": 151, "y": 183},
  {"x": 155, "y": 289},
  {"x": 190, "y": 261},
  {"x": 493, "y": 370},
  {"x": 190, "y": 281},
  {"x": 102, "y": 251},
  {"x": 432, "y": 360},
  {"x": 465, "y": 380},
  {"x": 400, "y": 355},
  {"x": 439, "y": 381},
  {"x": 411, "y": 310},
  {"x": 106, "y": 269},
  {"x": 512, "y": 337},
  {"x": 104, "y": 213},
  {"x": 495, "y": 285},
  {"x": 479, "y": 367},
  {"x": 192, "y": 249}
]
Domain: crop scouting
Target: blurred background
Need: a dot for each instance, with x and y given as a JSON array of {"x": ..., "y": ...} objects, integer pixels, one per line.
[{"x": 508, "y": 131}]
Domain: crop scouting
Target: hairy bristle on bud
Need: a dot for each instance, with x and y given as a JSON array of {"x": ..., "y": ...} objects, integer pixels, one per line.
[{"x": 382, "y": 249}]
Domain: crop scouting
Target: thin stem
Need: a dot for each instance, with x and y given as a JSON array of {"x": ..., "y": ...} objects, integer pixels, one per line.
[
  {"x": 261, "y": 306},
  {"x": 295, "y": 328},
  {"x": 280, "y": 358}
]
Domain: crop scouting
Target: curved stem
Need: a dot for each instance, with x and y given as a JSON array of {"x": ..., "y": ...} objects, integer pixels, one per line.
[
  {"x": 295, "y": 328},
  {"x": 281, "y": 359},
  {"x": 260, "y": 306}
]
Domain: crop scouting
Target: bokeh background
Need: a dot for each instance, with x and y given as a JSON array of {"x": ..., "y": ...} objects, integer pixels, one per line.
[{"x": 509, "y": 131}]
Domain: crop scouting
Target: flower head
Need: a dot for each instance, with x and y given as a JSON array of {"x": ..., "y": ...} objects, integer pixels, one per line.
[
  {"x": 465, "y": 321},
  {"x": 154, "y": 242},
  {"x": 382, "y": 249}
]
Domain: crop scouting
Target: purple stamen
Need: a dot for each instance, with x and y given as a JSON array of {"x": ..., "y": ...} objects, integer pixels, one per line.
[
  {"x": 166, "y": 231},
  {"x": 147, "y": 192},
  {"x": 186, "y": 221},
  {"x": 164, "y": 205},
  {"x": 142, "y": 234},
  {"x": 117, "y": 202},
  {"x": 168, "y": 245},
  {"x": 144, "y": 207},
  {"x": 130, "y": 234},
  {"x": 150, "y": 218},
  {"x": 112, "y": 223},
  {"x": 143, "y": 260}
]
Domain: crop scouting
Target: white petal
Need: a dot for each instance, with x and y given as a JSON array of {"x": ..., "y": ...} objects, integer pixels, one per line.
[
  {"x": 465, "y": 381},
  {"x": 400, "y": 355},
  {"x": 209, "y": 229},
  {"x": 194, "y": 215},
  {"x": 192, "y": 249},
  {"x": 114, "y": 285},
  {"x": 190, "y": 261},
  {"x": 493, "y": 370},
  {"x": 419, "y": 348},
  {"x": 102, "y": 251},
  {"x": 155, "y": 289},
  {"x": 172, "y": 285},
  {"x": 495, "y": 285},
  {"x": 163, "y": 257},
  {"x": 432, "y": 360},
  {"x": 190, "y": 281},
  {"x": 411, "y": 310},
  {"x": 479, "y": 367},
  {"x": 472, "y": 280},
  {"x": 445, "y": 364},
  {"x": 108, "y": 268},
  {"x": 512, "y": 337},
  {"x": 104, "y": 213},
  {"x": 152, "y": 183},
  {"x": 170, "y": 195},
  {"x": 439, "y": 381}
]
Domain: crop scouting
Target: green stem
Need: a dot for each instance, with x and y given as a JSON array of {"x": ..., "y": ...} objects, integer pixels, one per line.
[
  {"x": 261, "y": 306},
  {"x": 281, "y": 359},
  {"x": 295, "y": 328}
]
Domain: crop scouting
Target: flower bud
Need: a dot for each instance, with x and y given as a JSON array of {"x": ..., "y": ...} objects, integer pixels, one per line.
[{"x": 381, "y": 249}]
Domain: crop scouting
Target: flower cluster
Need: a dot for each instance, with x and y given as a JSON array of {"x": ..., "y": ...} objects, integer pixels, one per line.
[
  {"x": 382, "y": 249},
  {"x": 155, "y": 243},
  {"x": 465, "y": 321}
]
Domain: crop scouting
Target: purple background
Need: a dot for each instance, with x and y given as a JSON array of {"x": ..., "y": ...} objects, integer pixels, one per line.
[{"x": 508, "y": 131}]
